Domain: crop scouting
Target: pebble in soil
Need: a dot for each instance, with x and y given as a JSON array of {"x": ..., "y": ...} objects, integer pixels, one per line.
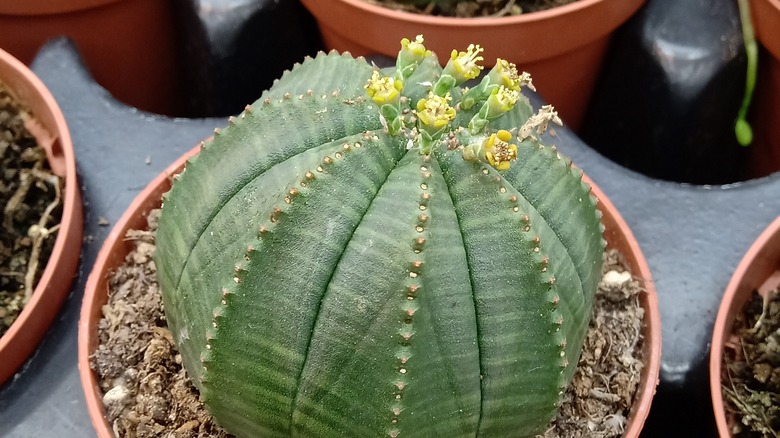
[{"x": 148, "y": 394}]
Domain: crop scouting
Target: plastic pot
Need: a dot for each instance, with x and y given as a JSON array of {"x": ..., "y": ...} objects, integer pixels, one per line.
[
  {"x": 115, "y": 249},
  {"x": 563, "y": 48},
  {"x": 766, "y": 110},
  {"x": 47, "y": 124},
  {"x": 128, "y": 45},
  {"x": 759, "y": 271}
]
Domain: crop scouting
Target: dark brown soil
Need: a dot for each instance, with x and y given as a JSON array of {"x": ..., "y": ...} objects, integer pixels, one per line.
[
  {"x": 148, "y": 393},
  {"x": 608, "y": 374},
  {"x": 751, "y": 380},
  {"x": 473, "y": 8},
  {"x": 30, "y": 200}
]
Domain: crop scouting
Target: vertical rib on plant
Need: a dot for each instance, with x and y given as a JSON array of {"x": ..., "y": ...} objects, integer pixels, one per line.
[{"x": 369, "y": 252}]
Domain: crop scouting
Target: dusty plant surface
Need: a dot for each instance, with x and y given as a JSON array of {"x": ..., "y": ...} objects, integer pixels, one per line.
[
  {"x": 751, "y": 376},
  {"x": 599, "y": 399},
  {"x": 148, "y": 394},
  {"x": 474, "y": 8},
  {"x": 30, "y": 199}
]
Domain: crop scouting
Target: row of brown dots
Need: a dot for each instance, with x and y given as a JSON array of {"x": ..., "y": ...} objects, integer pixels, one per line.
[
  {"x": 525, "y": 224},
  {"x": 412, "y": 290}
]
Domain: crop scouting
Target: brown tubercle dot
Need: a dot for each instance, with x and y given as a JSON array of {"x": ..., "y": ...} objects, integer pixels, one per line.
[
  {"x": 286, "y": 96},
  {"x": 327, "y": 160},
  {"x": 513, "y": 198},
  {"x": 266, "y": 101},
  {"x": 308, "y": 175},
  {"x": 231, "y": 120},
  {"x": 217, "y": 131},
  {"x": 423, "y": 218},
  {"x": 552, "y": 280}
]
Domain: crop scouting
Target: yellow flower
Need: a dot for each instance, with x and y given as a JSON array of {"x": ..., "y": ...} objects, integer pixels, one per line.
[
  {"x": 501, "y": 100},
  {"x": 498, "y": 152},
  {"x": 384, "y": 90},
  {"x": 415, "y": 49},
  {"x": 463, "y": 65},
  {"x": 505, "y": 73},
  {"x": 435, "y": 111}
]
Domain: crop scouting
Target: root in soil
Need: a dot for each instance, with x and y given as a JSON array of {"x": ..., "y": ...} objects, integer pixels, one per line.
[
  {"x": 148, "y": 393},
  {"x": 31, "y": 201}
]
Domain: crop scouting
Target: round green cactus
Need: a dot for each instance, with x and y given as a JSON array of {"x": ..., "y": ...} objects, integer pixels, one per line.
[{"x": 380, "y": 252}]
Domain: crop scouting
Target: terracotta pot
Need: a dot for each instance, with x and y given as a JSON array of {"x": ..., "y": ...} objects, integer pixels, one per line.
[
  {"x": 115, "y": 248},
  {"x": 129, "y": 45},
  {"x": 759, "y": 270},
  {"x": 563, "y": 48},
  {"x": 766, "y": 110},
  {"x": 48, "y": 126}
]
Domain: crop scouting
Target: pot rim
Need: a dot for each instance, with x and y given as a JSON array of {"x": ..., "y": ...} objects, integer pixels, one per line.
[
  {"x": 605, "y": 15},
  {"x": 96, "y": 295},
  {"x": 52, "y": 289},
  {"x": 49, "y": 7},
  {"x": 469, "y": 22},
  {"x": 760, "y": 263}
]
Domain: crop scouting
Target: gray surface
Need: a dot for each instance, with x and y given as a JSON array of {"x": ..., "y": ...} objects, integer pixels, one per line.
[{"x": 693, "y": 238}]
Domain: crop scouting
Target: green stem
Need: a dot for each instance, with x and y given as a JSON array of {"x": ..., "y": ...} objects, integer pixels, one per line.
[{"x": 742, "y": 128}]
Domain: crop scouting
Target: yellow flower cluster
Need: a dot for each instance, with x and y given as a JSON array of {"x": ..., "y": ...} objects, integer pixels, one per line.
[
  {"x": 502, "y": 99},
  {"x": 384, "y": 90},
  {"x": 435, "y": 111},
  {"x": 415, "y": 48},
  {"x": 463, "y": 65},
  {"x": 498, "y": 152}
]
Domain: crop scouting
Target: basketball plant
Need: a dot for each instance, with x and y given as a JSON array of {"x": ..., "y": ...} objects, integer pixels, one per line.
[{"x": 381, "y": 252}]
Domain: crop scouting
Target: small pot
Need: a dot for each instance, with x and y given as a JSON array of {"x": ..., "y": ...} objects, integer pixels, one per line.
[
  {"x": 48, "y": 126},
  {"x": 116, "y": 248},
  {"x": 766, "y": 112},
  {"x": 563, "y": 47},
  {"x": 128, "y": 45},
  {"x": 759, "y": 270}
]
